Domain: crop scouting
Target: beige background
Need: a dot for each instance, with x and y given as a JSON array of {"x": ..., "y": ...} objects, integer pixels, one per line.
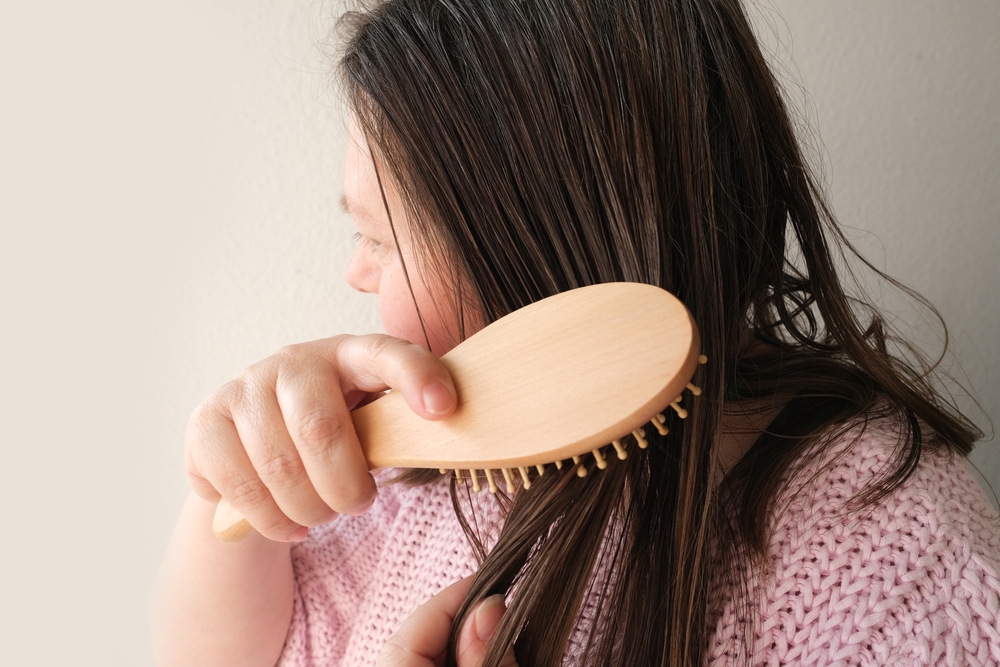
[{"x": 168, "y": 184}]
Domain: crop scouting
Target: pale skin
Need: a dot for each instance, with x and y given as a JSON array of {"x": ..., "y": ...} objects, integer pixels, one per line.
[{"x": 278, "y": 443}]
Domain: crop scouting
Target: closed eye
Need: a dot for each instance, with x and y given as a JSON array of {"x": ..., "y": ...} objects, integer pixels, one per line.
[{"x": 367, "y": 241}]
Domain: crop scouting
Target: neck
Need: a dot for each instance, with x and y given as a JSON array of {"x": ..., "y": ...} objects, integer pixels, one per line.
[{"x": 742, "y": 423}]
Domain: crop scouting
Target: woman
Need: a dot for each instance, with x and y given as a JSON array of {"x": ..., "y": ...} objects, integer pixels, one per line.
[{"x": 507, "y": 150}]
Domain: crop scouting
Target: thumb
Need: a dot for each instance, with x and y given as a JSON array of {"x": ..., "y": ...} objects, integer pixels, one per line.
[{"x": 477, "y": 630}]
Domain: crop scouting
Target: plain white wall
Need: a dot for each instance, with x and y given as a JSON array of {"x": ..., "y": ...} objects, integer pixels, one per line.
[{"x": 168, "y": 179}]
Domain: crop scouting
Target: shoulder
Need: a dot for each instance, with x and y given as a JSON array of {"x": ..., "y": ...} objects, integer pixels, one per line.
[
  {"x": 914, "y": 579},
  {"x": 939, "y": 502},
  {"x": 940, "y": 508}
]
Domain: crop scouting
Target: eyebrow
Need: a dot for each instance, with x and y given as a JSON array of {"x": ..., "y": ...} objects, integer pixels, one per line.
[
  {"x": 358, "y": 213},
  {"x": 345, "y": 204}
]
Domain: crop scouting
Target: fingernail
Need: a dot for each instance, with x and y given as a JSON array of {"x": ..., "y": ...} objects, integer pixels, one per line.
[
  {"x": 437, "y": 399},
  {"x": 298, "y": 534},
  {"x": 361, "y": 509},
  {"x": 487, "y": 619}
]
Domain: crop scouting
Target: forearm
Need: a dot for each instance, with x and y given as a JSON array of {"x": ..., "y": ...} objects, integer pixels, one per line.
[{"x": 218, "y": 603}]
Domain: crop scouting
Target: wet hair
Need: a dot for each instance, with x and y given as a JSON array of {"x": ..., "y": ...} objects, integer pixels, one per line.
[{"x": 543, "y": 145}]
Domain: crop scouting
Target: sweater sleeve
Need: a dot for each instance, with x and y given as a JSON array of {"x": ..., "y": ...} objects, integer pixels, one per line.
[{"x": 911, "y": 581}]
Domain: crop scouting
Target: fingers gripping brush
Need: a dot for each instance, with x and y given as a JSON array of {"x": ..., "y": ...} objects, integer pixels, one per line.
[{"x": 562, "y": 379}]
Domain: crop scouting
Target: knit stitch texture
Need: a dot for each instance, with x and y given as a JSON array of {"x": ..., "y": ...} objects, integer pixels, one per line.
[{"x": 913, "y": 581}]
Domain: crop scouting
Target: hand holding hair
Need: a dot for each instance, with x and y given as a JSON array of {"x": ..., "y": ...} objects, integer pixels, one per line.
[
  {"x": 278, "y": 442},
  {"x": 422, "y": 640}
]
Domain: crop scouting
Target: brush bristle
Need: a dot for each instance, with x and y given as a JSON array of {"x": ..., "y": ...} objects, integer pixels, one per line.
[{"x": 659, "y": 421}]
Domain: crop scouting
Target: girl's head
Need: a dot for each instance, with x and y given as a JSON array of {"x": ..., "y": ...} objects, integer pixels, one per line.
[
  {"x": 520, "y": 148},
  {"x": 545, "y": 145}
]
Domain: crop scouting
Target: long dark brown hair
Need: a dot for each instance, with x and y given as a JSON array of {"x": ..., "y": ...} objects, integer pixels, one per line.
[{"x": 543, "y": 145}]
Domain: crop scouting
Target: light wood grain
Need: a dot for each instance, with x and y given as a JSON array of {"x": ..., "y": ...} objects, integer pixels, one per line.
[{"x": 559, "y": 378}]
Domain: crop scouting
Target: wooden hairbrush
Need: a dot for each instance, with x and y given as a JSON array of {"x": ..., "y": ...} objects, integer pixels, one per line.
[{"x": 561, "y": 379}]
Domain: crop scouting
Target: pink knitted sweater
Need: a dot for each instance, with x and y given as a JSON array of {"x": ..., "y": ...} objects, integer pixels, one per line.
[{"x": 916, "y": 581}]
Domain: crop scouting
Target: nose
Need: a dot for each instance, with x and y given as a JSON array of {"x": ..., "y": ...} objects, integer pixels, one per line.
[{"x": 360, "y": 275}]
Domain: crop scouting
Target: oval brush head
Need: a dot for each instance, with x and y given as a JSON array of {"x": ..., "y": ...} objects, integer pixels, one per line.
[{"x": 556, "y": 380}]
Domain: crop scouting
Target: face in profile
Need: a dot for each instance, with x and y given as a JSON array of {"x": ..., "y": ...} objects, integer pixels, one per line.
[{"x": 410, "y": 291}]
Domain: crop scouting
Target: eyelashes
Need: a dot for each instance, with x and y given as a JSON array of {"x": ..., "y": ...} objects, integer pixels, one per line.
[{"x": 366, "y": 241}]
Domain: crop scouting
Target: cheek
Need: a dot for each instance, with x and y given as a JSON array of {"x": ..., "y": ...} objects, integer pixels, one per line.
[{"x": 399, "y": 315}]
